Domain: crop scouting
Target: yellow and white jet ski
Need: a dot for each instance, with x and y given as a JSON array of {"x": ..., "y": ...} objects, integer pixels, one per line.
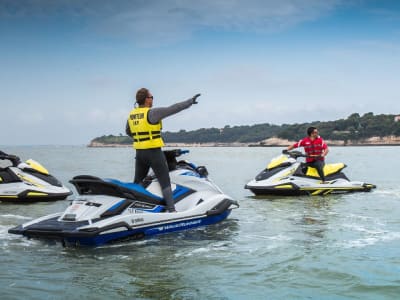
[
  {"x": 29, "y": 181},
  {"x": 287, "y": 176}
]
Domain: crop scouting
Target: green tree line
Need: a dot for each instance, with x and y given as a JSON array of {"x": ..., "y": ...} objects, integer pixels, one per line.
[{"x": 355, "y": 127}]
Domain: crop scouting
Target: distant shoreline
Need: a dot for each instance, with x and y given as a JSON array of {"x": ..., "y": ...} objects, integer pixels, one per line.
[
  {"x": 271, "y": 142},
  {"x": 251, "y": 145}
]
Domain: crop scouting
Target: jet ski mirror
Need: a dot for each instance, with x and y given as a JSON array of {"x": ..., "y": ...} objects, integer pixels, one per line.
[{"x": 202, "y": 170}]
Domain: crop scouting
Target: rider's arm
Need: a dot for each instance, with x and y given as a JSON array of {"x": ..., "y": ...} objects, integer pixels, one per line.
[
  {"x": 127, "y": 129},
  {"x": 290, "y": 147},
  {"x": 295, "y": 145},
  {"x": 325, "y": 151},
  {"x": 155, "y": 115}
]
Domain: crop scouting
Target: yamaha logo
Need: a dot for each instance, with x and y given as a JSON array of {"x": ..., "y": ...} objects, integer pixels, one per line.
[{"x": 137, "y": 220}]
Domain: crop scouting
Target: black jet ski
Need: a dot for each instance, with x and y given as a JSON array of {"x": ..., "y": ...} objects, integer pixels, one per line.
[
  {"x": 285, "y": 175},
  {"x": 29, "y": 181},
  {"x": 109, "y": 210}
]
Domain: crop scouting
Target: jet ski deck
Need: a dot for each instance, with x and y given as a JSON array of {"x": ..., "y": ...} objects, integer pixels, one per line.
[{"x": 90, "y": 185}]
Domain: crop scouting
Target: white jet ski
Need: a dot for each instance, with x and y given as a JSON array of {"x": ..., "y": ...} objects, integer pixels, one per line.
[
  {"x": 109, "y": 210},
  {"x": 285, "y": 175},
  {"x": 29, "y": 181}
]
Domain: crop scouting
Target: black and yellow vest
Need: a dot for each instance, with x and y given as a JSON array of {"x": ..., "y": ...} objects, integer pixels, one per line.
[{"x": 144, "y": 134}]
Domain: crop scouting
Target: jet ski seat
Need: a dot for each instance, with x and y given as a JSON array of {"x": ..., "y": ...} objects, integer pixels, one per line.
[
  {"x": 91, "y": 185},
  {"x": 329, "y": 169}
]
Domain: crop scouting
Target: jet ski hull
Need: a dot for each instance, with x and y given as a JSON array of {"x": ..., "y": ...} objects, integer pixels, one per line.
[
  {"x": 28, "y": 188},
  {"x": 289, "y": 190},
  {"x": 30, "y": 197},
  {"x": 70, "y": 234}
]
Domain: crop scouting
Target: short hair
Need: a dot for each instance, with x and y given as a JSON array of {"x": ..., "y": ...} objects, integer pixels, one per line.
[
  {"x": 141, "y": 95},
  {"x": 310, "y": 130}
]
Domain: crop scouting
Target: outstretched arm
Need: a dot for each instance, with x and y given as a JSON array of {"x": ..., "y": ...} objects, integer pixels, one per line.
[
  {"x": 290, "y": 147},
  {"x": 157, "y": 114}
]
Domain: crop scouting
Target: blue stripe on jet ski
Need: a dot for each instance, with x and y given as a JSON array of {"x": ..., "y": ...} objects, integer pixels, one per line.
[
  {"x": 133, "y": 186},
  {"x": 191, "y": 173},
  {"x": 116, "y": 205},
  {"x": 180, "y": 191},
  {"x": 192, "y": 165},
  {"x": 156, "y": 209},
  {"x": 148, "y": 231}
]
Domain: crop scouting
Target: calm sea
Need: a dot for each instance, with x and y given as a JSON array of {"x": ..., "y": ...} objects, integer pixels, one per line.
[{"x": 332, "y": 247}]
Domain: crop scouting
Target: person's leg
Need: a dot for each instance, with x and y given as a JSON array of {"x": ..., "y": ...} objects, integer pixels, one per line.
[
  {"x": 141, "y": 166},
  {"x": 319, "y": 165},
  {"x": 160, "y": 168}
]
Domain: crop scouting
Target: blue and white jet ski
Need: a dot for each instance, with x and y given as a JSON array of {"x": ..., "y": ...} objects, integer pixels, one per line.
[
  {"x": 22, "y": 182},
  {"x": 109, "y": 210}
]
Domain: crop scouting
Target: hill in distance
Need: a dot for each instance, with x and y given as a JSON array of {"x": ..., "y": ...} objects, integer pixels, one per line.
[{"x": 355, "y": 129}]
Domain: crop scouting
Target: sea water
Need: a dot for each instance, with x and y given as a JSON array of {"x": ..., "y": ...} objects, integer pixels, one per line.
[{"x": 321, "y": 247}]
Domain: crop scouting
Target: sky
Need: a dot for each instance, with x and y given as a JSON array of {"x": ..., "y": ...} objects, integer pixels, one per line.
[{"x": 69, "y": 70}]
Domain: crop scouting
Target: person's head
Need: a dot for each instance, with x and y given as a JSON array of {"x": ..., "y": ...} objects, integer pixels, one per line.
[
  {"x": 144, "y": 97},
  {"x": 312, "y": 131}
]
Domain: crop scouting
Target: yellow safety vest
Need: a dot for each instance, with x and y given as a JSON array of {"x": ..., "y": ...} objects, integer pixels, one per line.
[{"x": 145, "y": 135}]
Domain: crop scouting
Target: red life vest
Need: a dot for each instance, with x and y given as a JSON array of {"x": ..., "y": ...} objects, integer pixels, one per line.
[{"x": 312, "y": 147}]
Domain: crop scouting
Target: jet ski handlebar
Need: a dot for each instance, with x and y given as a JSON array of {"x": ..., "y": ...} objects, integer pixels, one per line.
[
  {"x": 295, "y": 154},
  {"x": 174, "y": 153},
  {"x": 13, "y": 158}
]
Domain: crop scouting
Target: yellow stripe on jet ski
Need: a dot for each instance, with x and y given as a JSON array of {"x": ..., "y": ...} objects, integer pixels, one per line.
[
  {"x": 333, "y": 189},
  {"x": 327, "y": 190},
  {"x": 369, "y": 186},
  {"x": 8, "y": 196},
  {"x": 1, "y": 179},
  {"x": 27, "y": 179},
  {"x": 285, "y": 186},
  {"x": 317, "y": 192},
  {"x": 36, "y": 194}
]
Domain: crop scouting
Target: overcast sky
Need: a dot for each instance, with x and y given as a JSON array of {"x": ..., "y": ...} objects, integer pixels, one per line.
[{"x": 69, "y": 70}]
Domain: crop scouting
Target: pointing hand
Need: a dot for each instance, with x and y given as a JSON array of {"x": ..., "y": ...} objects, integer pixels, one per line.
[{"x": 194, "y": 99}]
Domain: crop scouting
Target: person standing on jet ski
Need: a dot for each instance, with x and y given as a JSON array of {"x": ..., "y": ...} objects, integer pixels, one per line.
[
  {"x": 316, "y": 150},
  {"x": 144, "y": 126}
]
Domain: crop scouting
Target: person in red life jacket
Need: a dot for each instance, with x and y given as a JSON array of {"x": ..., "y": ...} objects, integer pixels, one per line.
[
  {"x": 144, "y": 126},
  {"x": 316, "y": 150}
]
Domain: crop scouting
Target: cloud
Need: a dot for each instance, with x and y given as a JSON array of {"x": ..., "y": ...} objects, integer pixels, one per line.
[
  {"x": 107, "y": 117},
  {"x": 151, "y": 23}
]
